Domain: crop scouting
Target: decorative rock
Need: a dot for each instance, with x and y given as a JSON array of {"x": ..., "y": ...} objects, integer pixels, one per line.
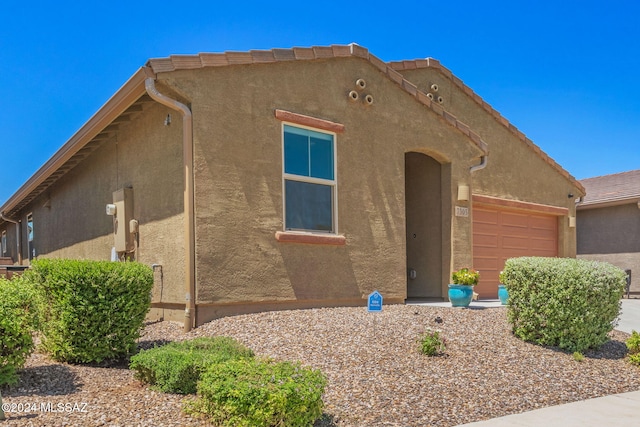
[{"x": 364, "y": 373}]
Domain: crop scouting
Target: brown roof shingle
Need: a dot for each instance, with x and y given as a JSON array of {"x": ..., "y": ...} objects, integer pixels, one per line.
[{"x": 611, "y": 189}]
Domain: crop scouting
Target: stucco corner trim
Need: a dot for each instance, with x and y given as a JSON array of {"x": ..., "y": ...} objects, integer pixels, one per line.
[
  {"x": 301, "y": 119},
  {"x": 517, "y": 204},
  {"x": 315, "y": 239}
]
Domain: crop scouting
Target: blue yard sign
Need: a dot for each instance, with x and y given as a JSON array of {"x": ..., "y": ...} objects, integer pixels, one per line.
[{"x": 374, "y": 302}]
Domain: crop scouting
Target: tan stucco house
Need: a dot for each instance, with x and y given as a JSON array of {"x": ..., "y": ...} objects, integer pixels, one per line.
[
  {"x": 608, "y": 223},
  {"x": 292, "y": 178}
]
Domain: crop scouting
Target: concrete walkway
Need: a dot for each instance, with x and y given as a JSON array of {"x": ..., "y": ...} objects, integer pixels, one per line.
[
  {"x": 618, "y": 410},
  {"x": 630, "y": 317}
]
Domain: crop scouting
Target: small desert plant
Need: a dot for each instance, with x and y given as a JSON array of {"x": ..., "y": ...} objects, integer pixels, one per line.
[
  {"x": 633, "y": 345},
  {"x": 176, "y": 367},
  {"x": 502, "y": 278},
  {"x": 577, "y": 356},
  {"x": 432, "y": 344},
  {"x": 465, "y": 276}
]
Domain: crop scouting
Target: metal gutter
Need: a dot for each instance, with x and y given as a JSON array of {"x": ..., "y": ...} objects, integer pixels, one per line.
[
  {"x": 4, "y": 218},
  {"x": 613, "y": 201},
  {"x": 189, "y": 209},
  {"x": 481, "y": 165}
]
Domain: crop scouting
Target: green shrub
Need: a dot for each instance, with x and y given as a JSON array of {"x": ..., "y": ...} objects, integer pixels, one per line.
[
  {"x": 19, "y": 306},
  {"x": 177, "y": 366},
  {"x": 254, "y": 393},
  {"x": 633, "y": 342},
  {"x": 577, "y": 356},
  {"x": 432, "y": 344},
  {"x": 563, "y": 302},
  {"x": 633, "y": 345},
  {"x": 94, "y": 310},
  {"x": 634, "y": 359}
]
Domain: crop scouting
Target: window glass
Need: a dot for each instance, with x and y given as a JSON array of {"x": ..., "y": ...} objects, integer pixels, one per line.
[
  {"x": 296, "y": 154},
  {"x": 309, "y": 206},
  {"x": 4, "y": 242},
  {"x": 321, "y": 153},
  {"x": 308, "y": 153},
  {"x": 309, "y": 161},
  {"x": 30, "y": 228},
  {"x": 31, "y": 247}
]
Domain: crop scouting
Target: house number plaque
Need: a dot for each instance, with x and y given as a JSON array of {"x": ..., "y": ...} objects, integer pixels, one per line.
[{"x": 462, "y": 211}]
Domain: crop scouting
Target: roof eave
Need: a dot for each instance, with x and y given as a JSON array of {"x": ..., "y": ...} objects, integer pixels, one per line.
[
  {"x": 605, "y": 203},
  {"x": 116, "y": 105},
  {"x": 134, "y": 88},
  {"x": 436, "y": 65},
  {"x": 205, "y": 60}
]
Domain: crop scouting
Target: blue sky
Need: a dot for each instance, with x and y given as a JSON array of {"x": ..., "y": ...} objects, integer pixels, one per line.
[{"x": 566, "y": 73}]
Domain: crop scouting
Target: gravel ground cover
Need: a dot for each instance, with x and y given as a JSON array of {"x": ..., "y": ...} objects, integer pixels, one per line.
[{"x": 376, "y": 375}]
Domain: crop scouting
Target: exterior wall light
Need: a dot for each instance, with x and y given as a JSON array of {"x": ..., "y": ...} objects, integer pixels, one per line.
[{"x": 463, "y": 193}]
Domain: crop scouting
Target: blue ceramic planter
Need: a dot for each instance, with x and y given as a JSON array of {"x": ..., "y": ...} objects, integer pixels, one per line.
[
  {"x": 503, "y": 294},
  {"x": 460, "y": 295}
]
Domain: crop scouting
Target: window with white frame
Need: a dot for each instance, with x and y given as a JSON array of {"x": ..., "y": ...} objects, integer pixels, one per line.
[
  {"x": 309, "y": 180},
  {"x": 4, "y": 242}
]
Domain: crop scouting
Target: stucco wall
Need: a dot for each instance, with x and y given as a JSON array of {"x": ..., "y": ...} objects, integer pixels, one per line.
[
  {"x": 609, "y": 230},
  {"x": 70, "y": 219},
  {"x": 238, "y": 185},
  {"x": 514, "y": 170},
  {"x": 611, "y": 234},
  {"x": 239, "y": 181}
]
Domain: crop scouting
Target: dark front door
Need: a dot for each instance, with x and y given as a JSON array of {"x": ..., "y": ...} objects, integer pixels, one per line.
[{"x": 423, "y": 204}]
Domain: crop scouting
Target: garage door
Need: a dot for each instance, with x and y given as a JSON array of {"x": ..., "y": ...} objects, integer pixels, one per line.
[{"x": 499, "y": 234}]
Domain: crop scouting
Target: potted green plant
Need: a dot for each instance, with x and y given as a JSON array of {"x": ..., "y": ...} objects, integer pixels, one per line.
[
  {"x": 461, "y": 290},
  {"x": 503, "y": 294}
]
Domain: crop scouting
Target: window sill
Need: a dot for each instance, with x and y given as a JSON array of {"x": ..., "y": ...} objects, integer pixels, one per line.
[{"x": 315, "y": 239}]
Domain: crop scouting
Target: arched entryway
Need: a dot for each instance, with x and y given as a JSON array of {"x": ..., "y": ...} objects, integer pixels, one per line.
[{"x": 423, "y": 204}]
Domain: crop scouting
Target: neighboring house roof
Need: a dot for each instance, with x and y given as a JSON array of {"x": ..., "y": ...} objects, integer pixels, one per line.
[
  {"x": 615, "y": 189},
  {"x": 436, "y": 65}
]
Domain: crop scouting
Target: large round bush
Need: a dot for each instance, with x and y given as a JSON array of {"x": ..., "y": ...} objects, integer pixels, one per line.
[
  {"x": 94, "y": 310},
  {"x": 569, "y": 303}
]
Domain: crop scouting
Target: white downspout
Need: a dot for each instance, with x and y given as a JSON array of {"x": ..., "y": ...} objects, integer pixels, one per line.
[
  {"x": 189, "y": 226},
  {"x": 481, "y": 165},
  {"x": 17, "y": 223}
]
